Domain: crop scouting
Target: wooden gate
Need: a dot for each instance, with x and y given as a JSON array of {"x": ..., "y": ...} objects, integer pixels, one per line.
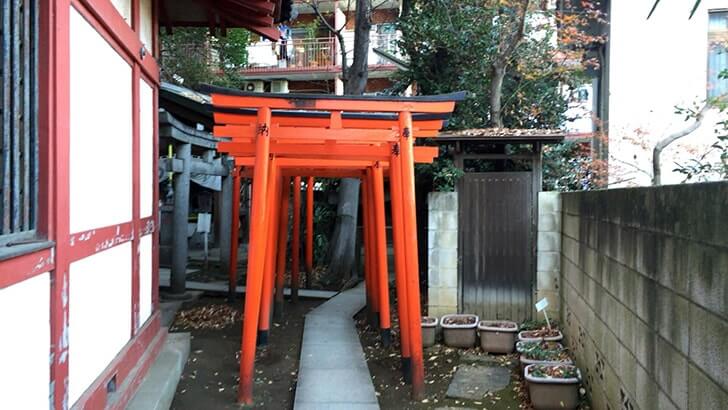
[{"x": 496, "y": 244}]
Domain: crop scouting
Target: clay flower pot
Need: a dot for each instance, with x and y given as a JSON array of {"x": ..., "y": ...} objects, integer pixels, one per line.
[
  {"x": 553, "y": 387},
  {"x": 538, "y": 335},
  {"x": 459, "y": 330},
  {"x": 429, "y": 331},
  {"x": 497, "y": 336}
]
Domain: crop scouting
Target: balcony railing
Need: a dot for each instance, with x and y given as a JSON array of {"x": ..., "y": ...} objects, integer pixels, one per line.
[
  {"x": 316, "y": 54},
  {"x": 296, "y": 54}
]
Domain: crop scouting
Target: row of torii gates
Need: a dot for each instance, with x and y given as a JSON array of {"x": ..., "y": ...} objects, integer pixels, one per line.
[{"x": 277, "y": 137}]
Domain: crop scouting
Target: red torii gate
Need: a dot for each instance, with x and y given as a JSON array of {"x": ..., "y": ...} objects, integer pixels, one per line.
[{"x": 276, "y": 137}]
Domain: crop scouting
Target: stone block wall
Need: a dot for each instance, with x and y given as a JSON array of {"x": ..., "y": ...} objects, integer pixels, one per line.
[
  {"x": 442, "y": 253},
  {"x": 644, "y": 284},
  {"x": 548, "y": 252}
]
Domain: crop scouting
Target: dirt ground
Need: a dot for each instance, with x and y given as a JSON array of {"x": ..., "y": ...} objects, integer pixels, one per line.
[
  {"x": 210, "y": 377},
  {"x": 441, "y": 363}
]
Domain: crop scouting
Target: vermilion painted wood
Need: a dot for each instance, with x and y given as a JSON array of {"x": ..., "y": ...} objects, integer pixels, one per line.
[
  {"x": 366, "y": 226},
  {"x": 308, "y": 151},
  {"x": 330, "y": 151},
  {"x": 322, "y": 173},
  {"x": 24, "y": 267},
  {"x": 135, "y": 175},
  {"x": 306, "y": 133},
  {"x": 422, "y": 155},
  {"x": 410, "y": 237},
  {"x": 282, "y": 241},
  {"x": 87, "y": 243},
  {"x": 104, "y": 17},
  {"x": 256, "y": 258},
  {"x": 309, "y": 228},
  {"x": 235, "y": 233},
  {"x": 315, "y": 122},
  {"x": 373, "y": 248},
  {"x": 140, "y": 350},
  {"x": 55, "y": 16},
  {"x": 269, "y": 271},
  {"x": 232, "y": 101},
  {"x": 395, "y": 196},
  {"x": 380, "y": 224},
  {"x": 296, "y": 238}
]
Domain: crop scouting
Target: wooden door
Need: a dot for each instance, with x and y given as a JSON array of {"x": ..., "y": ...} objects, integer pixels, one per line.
[{"x": 496, "y": 244}]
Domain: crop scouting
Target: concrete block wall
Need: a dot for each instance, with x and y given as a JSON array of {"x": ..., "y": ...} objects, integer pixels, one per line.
[
  {"x": 644, "y": 287},
  {"x": 442, "y": 253},
  {"x": 548, "y": 252}
]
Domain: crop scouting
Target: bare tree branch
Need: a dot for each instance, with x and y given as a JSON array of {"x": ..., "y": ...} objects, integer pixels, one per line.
[{"x": 665, "y": 142}]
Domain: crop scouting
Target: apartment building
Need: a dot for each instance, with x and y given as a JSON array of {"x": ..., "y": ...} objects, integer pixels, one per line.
[{"x": 310, "y": 59}]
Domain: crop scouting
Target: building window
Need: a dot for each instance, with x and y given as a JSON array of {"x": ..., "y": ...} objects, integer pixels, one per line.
[
  {"x": 18, "y": 124},
  {"x": 717, "y": 53}
]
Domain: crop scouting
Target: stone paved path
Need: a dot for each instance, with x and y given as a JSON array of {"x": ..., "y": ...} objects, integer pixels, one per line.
[{"x": 333, "y": 372}]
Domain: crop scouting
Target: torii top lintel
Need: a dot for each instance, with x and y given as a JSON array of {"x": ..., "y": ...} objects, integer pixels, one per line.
[{"x": 326, "y": 133}]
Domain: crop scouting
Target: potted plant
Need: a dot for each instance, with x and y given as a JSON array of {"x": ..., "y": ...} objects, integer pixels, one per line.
[
  {"x": 553, "y": 386},
  {"x": 497, "y": 336},
  {"x": 459, "y": 329},
  {"x": 543, "y": 353},
  {"x": 542, "y": 334},
  {"x": 429, "y": 331}
]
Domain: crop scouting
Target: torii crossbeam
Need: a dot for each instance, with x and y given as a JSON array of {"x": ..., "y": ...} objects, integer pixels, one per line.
[{"x": 277, "y": 137}]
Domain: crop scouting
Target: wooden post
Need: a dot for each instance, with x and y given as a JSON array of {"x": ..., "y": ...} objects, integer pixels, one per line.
[
  {"x": 256, "y": 258},
  {"x": 367, "y": 250},
  {"x": 410, "y": 237},
  {"x": 233, "y": 266},
  {"x": 372, "y": 250},
  {"x": 269, "y": 272},
  {"x": 296, "y": 239},
  {"x": 381, "y": 252},
  {"x": 395, "y": 192},
  {"x": 309, "y": 231},
  {"x": 282, "y": 245}
]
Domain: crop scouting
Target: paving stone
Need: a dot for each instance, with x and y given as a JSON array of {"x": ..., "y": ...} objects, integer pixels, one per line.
[
  {"x": 331, "y": 351},
  {"x": 473, "y": 382}
]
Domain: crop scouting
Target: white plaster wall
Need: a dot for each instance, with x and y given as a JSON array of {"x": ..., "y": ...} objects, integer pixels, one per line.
[
  {"x": 25, "y": 344},
  {"x": 655, "y": 65},
  {"x": 101, "y": 131},
  {"x": 124, "y": 8},
  {"x": 145, "y": 278},
  {"x": 146, "y": 26},
  {"x": 99, "y": 314},
  {"x": 147, "y": 173}
]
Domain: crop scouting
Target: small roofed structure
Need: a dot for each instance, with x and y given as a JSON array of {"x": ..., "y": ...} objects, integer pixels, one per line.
[
  {"x": 258, "y": 16},
  {"x": 497, "y": 217}
]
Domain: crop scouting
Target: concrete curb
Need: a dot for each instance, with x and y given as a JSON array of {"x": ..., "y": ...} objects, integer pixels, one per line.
[{"x": 159, "y": 385}]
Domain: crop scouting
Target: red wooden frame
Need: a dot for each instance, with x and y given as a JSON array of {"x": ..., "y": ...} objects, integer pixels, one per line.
[{"x": 53, "y": 197}]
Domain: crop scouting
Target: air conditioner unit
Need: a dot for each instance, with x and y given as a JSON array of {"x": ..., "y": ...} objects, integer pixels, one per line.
[
  {"x": 279, "y": 86},
  {"x": 254, "y": 86}
]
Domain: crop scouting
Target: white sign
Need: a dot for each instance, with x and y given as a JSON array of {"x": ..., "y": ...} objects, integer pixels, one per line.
[
  {"x": 542, "y": 304},
  {"x": 203, "y": 222}
]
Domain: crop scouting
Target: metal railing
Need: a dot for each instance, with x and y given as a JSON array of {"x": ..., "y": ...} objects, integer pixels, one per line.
[
  {"x": 313, "y": 54},
  {"x": 295, "y": 54}
]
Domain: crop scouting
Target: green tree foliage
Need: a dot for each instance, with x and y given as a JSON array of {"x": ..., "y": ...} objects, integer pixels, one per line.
[
  {"x": 451, "y": 47},
  {"x": 190, "y": 56}
]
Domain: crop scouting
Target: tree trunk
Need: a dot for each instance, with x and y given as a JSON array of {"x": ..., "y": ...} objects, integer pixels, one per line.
[
  {"x": 356, "y": 75},
  {"x": 343, "y": 245},
  {"x": 496, "y": 94}
]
